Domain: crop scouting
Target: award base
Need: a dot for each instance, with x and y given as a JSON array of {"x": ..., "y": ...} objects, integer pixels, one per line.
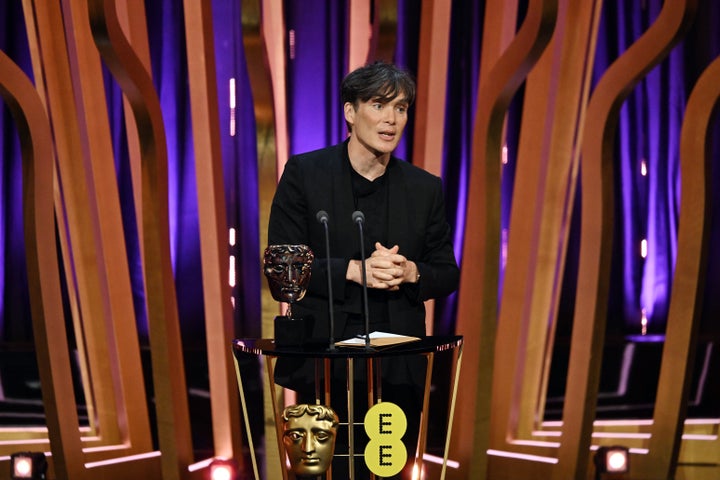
[{"x": 289, "y": 332}]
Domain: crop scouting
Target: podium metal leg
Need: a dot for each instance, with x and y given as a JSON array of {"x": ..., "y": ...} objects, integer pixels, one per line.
[
  {"x": 276, "y": 414},
  {"x": 318, "y": 383},
  {"x": 328, "y": 372},
  {"x": 424, "y": 414},
  {"x": 351, "y": 417},
  {"x": 372, "y": 387},
  {"x": 327, "y": 369},
  {"x": 451, "y": 415},
  {"x": 374, "y": 381},
  {"x": 246, "y": 419}
]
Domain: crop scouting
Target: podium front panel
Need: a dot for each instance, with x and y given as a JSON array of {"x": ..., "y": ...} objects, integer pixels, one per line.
[{"x": 323, "y": 356}]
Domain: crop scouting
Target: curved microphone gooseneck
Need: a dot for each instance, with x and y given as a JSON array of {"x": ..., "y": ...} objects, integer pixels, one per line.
[
  {"x": 323, "y": 218},
  {"x": 359, "y": 218}
]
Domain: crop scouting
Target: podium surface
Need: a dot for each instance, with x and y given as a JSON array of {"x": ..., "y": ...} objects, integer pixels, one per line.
[
  {"x": 323, "y": 354},
  {"x": 267, "y": 347}
]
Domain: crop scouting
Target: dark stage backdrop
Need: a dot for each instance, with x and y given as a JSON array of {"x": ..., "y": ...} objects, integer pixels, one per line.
[{"x": 646, "y": 152}]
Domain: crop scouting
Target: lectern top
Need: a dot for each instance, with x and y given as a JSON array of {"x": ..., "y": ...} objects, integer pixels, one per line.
[{"x": 267, "y": 347}]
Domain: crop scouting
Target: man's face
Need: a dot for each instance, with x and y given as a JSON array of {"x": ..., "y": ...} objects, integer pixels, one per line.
[
  {"x": 287, "y": 268},
  {"x": 310, "y": 444},
  {"x": 377, "y": 126}
]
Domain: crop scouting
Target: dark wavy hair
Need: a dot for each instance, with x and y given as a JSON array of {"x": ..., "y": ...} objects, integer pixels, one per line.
[{"x": 378, "y": 80}]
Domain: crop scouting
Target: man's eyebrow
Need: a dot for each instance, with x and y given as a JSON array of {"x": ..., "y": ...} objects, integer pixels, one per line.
[{"x": 384, "y": 100}]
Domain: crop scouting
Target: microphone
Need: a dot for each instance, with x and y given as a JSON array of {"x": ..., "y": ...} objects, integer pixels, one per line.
[
  {"x": 323, "y": 218},
  {"x": 359, "y": 218}
]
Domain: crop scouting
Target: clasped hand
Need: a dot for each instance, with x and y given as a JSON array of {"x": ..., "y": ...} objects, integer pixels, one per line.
[{"x": 385, "y": 268}]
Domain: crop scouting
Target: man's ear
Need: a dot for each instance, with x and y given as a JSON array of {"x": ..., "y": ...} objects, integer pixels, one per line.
[{"x": 349, "y": 110}]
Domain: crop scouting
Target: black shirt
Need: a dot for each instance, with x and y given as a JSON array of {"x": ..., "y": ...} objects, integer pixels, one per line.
[{"x": 371, "y": 198}]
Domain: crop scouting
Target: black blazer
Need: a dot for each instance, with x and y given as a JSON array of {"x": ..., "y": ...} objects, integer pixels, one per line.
[{"x": 321, "y": 180}]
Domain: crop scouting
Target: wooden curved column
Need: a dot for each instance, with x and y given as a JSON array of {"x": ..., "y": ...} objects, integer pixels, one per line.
[
  {"x": 43, "y": 270},
  {"x": 263, "y": 33},
  {"x": 225, "y": 405},
  {"x": 90, "y": 226},
  {"x": 479, "y": 280},
  {"x": 686, "y": 299},
  {"x": 165, "y": 342},
  {"x": 545, "y": 179},
  {"x": 589, "y": 322}
]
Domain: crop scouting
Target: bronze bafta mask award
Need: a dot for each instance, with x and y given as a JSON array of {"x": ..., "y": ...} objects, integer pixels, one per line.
[
  {"x": 287, "y": 268},
  {"x": 309, "y": 438}
]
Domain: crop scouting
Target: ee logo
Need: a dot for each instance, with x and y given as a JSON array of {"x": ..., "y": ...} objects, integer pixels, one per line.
[{"x": 385, "y": 425}]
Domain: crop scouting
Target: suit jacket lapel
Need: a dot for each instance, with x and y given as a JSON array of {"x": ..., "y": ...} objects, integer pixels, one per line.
[{"x": 343, "y": 206}]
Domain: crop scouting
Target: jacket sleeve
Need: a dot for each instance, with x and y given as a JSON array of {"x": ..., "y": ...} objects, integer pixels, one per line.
[
  {"x": 292, "y": 222},
  {"x": 438, "y": 269},
  {"x": 287, "y": 223}
]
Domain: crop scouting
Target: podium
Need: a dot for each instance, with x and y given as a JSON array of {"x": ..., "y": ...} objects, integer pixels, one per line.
[{"x": 322, "y": 357}]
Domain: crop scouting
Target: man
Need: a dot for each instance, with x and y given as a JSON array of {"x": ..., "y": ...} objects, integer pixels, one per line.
[
  {"x": 407, "y": 238},
  {"x": 309, "y": 438}
]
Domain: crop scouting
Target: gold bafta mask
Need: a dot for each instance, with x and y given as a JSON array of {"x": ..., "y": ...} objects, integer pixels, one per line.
[
  {"x": 287, "y": 268},
  {"x": 309, "y": 437}
]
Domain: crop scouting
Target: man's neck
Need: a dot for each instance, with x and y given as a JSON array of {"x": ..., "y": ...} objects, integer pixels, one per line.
[{"x": 367, "y": 163}]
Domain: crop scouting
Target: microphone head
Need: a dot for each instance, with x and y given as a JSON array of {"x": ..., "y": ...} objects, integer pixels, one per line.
[
  {"x": 358, "y": 217},
  {"x": 322, "y": 216}
]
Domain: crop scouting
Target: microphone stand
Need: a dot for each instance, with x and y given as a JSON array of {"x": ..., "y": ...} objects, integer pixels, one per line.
[
  {"x": 322, "y": 217},
  {"x": 359, "y": 218}
]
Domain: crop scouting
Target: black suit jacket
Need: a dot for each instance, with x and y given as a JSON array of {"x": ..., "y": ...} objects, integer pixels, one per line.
[{"x": 321, "y": 180}]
